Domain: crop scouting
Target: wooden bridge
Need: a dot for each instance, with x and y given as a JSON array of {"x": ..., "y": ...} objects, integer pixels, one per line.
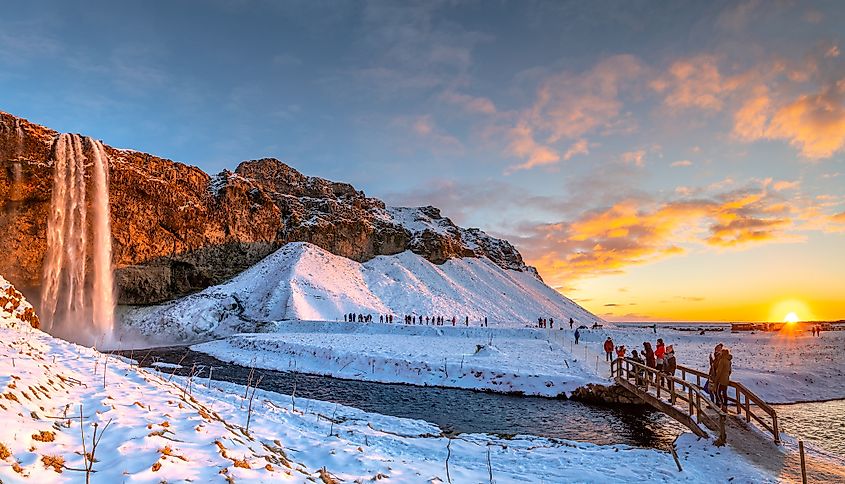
[{"x": 684, "y": 399}]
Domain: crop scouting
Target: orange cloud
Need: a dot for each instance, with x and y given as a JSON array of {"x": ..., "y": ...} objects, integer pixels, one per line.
[
  {"x": 681, "y": 163},
  {"x": 523, "y": 145},
  {"x": 695, "y": 83},
  {"x": 813, "y": 123},
  {"x": 633, "y": 231}
]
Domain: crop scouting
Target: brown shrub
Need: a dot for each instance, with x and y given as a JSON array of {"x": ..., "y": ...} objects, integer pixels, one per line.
[
  {"x": 57, "y": 462},
  {"x": 44, "y": 436}
]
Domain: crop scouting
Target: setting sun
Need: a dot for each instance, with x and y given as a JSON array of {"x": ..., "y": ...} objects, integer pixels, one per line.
[{"x": 791, "y": 318}]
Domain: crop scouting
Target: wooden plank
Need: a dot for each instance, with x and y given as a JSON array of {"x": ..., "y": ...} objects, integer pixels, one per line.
[{"x": 665, "y": 408}]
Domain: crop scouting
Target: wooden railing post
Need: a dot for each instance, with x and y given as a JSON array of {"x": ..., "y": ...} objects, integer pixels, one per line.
[
  {"x": 672, "y": 391},
  {"x": 738, "y": 406},
  {"x": 698, "y": 407},
  {"x": 747, "y": 409},
  {"x": 691, "y": 410},
  {"x": 775, "y": 428}
]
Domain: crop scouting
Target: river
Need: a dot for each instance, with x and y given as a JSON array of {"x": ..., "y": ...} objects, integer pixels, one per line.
[{"x": 468, "y": 411}]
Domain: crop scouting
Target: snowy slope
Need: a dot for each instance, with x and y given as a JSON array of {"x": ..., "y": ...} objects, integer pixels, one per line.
[{"x": 304, "y": 282}]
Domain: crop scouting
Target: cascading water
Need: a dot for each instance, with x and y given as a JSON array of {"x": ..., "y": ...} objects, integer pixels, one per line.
[{"x": 76, "y": 304}]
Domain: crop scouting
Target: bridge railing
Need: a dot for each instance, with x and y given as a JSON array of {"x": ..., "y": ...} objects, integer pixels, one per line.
[
  {"x": 698, "y": 402},
  {"x": 743, "y": 399}
]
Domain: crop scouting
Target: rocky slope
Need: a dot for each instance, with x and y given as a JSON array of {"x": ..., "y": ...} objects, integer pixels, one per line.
[{"x": 177, "y": 230}]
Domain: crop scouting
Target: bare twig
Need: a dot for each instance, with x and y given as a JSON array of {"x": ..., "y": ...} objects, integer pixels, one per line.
[
  {"x": 252, "y": 396},
  {"x": 448, "y": 454}
]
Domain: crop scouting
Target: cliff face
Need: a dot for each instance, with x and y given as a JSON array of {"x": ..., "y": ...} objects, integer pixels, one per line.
[{"x": 177, "y": 230}]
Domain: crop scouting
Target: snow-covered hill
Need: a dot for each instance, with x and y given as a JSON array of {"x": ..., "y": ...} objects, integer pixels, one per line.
[{"x": 302, "y": 281}]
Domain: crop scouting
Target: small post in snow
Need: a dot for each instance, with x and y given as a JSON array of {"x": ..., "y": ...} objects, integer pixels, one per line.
[{"x": 803, "y": 467}]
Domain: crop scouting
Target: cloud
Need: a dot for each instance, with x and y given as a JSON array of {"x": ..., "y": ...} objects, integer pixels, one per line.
[
  {"x": 636, "y": 158},
  {"x": 681, "y": 163},
  {"x": 813, "y": 123},
  {"x": 472, "y": 104},
  {"x": 425, "y": 130},
  {"x": 695, "y": 83},
  {"x": 568, "y": 106},
  {"x": 637, "y": 231},
  {"x": 786, "y": 185},
  {"x": 580, "y": 147},
  {"x": 523, "y": 145}
]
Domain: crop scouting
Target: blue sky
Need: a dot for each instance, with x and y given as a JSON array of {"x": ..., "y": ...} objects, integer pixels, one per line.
[{"x": 616, "y": 143}]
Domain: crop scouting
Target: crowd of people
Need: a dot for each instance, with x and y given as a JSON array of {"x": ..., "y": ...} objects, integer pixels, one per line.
[{"x": 411, "y": 319}]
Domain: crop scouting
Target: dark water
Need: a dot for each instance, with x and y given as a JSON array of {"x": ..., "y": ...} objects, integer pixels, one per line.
[
  {"x": 821, "y": 423},
  {"x": 453, "y": 410}
]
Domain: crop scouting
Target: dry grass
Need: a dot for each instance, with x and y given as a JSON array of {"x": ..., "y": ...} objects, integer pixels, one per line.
[
  {"x": 57, "y": 462},
  {"x": 156, "y": 467},
  {"x": 242, "y": 463},
  {"x": 44, "y": 436},
  {"x": 17, "y": 468}
]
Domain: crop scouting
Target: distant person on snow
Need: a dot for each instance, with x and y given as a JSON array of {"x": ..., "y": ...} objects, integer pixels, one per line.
[
  {"x": 608, "y": 349},
  {"x": 577, "y": 336},
  {"x": 485, "y": 321},
  {"x": 723, "y": 376},
  {"x": 551, "y": 323},
  {"x": 467, "y": 321},
  {"x": 654, "y": 328},
  {"x": 571, "y": 322}
]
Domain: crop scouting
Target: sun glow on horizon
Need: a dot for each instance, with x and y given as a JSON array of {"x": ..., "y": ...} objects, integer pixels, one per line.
[{"x": 794, "y": 311}]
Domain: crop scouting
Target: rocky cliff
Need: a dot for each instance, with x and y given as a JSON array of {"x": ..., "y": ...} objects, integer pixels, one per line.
[{"x": 177, "y": 230}]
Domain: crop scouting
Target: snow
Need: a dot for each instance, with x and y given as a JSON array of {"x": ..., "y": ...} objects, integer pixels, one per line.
[
  {"x": 155, "y": 429},
  {"x": 506, "y": 360},
  {"x": 301, "y": 281}
]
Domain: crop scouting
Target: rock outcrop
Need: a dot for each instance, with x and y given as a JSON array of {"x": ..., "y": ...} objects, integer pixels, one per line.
[{"x": 177, "y": 230}]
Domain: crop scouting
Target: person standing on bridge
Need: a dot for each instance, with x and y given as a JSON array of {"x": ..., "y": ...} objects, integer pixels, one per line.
[
  {"x": 659, "y": 353},
  {"x": 712, "y": 375},
  {"x": 608, "y": 349},
  {"x": 620, "y": 351},
  {"x": 649, "y": 354},
  {"x": 723, "y": 375},
  {"x": 577, "y": 336},
  {"x": 571, "y": 322},
  {"x": 671, "y": 364}
]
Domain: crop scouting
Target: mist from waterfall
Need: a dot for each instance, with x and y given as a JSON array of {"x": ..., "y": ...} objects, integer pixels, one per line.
[{"x": 77, "y": 302}]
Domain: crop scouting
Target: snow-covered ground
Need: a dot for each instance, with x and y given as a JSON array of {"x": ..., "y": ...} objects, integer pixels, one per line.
[
  {"x": 497, "y": 359},
  {"x": 301, "y": 281},
  {"x": 779, "y": 367},
  {"x": 154, "y": 429}
]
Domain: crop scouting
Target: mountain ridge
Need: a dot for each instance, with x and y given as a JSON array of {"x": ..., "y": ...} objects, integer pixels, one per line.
[{"x": 177, "y": 230}]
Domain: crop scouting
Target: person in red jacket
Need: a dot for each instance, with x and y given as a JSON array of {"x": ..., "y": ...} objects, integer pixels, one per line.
[
  {"x": 659, "y": 354},
  {"x": 608, "y": 349}
]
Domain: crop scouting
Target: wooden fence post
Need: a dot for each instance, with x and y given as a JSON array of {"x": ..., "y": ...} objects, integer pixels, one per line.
[{"x": 803, "y": 467}]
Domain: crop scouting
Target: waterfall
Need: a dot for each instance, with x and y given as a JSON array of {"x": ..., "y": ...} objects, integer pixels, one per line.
[{"x": 76, "y": 304}]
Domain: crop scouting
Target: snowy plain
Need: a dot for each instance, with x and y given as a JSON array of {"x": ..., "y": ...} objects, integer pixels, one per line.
[
  {"x": 155, "y": 428},
  {"x": 505, "y": 360}
]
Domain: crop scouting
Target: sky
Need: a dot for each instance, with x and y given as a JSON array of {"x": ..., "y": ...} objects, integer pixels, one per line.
[{"x": 678, "y": 160}]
